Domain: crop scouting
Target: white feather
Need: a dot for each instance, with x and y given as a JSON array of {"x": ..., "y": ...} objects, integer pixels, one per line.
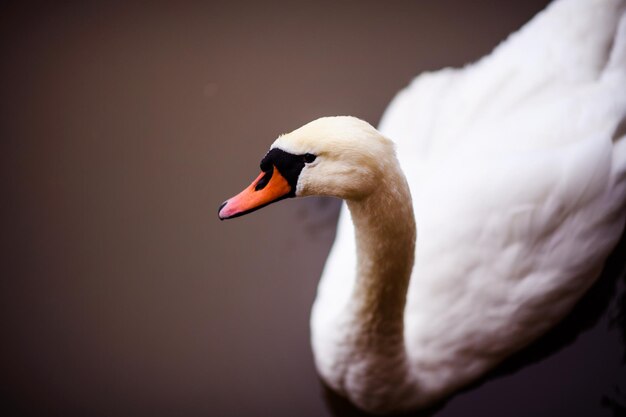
[{"x": 517, "y": 168}]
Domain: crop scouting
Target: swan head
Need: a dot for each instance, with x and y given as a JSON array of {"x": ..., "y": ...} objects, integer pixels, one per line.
[{"x": 341, "y": 156}]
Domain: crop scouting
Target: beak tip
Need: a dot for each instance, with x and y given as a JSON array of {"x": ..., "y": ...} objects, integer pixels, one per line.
[{"x": 219, "y": 210}]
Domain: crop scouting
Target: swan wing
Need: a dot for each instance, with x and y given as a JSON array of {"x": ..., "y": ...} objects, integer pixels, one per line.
[{"x": 517, "y": 167}]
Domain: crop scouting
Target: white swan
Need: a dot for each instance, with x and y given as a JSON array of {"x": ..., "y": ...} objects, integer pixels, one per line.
[{"x": 517, "y": 168}]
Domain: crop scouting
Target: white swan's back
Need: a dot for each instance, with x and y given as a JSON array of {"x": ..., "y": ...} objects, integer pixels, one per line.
[{"x": 517, "y": 169}]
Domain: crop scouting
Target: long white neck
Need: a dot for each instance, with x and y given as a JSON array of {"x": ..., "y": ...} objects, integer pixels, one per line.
[{"x": 385, "y": 235}]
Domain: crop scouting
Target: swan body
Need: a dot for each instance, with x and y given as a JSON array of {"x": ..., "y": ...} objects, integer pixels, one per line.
[{"x": 481, "y": 226}]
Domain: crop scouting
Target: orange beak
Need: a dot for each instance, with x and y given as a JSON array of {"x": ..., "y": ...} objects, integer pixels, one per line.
[{"x": 268, "y": 187}]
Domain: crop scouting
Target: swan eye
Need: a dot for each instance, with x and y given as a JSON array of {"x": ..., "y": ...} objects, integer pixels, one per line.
[{"x": 309, "y": 157}]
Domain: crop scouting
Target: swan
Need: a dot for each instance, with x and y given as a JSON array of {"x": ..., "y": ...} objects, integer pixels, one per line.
[{"x": 480, "y": 225}]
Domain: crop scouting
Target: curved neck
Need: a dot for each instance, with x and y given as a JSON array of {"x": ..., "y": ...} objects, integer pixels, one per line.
[{"x": 385, "y": 235}]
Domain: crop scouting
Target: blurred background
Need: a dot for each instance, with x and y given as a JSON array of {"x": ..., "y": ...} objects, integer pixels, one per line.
[{"x": 123, "y": 126}]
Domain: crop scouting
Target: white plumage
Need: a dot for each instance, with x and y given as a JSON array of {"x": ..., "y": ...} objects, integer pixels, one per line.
[
  {"x": 513, "y": 172},
  {"x": 517, "y": 169}
]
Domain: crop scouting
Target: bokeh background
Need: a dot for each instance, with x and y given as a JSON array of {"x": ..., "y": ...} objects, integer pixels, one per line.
[{"x": 123, "y": 126}]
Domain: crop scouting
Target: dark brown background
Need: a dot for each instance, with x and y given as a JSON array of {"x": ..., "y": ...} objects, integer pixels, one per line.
[{"x": 123, "y": 127}]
